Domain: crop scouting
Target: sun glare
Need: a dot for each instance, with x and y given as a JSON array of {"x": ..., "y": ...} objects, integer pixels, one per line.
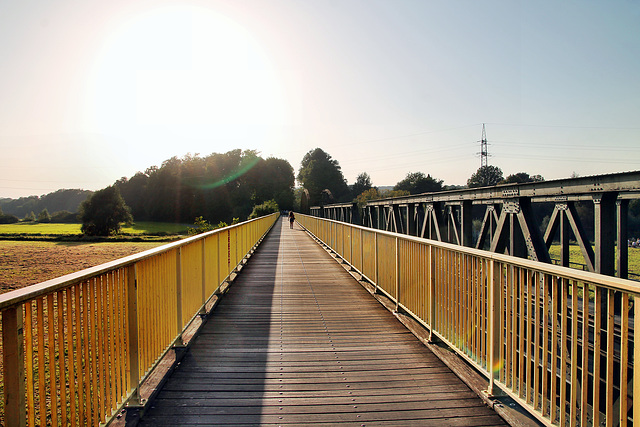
[{"x": 185, "y": 71}]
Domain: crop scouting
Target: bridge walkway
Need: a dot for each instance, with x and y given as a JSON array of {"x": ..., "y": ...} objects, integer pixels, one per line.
[{"x": 297, "y": 340}]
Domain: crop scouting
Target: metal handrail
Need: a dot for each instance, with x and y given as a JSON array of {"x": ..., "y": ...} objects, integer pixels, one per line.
[
  {"x": 557, "y": 340},
  {"x": 75, "y": 349}
]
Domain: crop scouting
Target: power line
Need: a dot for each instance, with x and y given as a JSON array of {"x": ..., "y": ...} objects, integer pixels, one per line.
[{"x": 565, "y": 126}]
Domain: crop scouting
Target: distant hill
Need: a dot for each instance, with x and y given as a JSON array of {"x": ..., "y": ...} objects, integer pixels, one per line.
[{"x": 61, "y": 200}]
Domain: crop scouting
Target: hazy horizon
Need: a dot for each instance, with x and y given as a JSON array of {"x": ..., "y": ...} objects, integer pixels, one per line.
[{"x": 95, "y": 91}]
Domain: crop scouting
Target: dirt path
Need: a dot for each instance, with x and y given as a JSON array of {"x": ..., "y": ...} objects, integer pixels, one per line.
[{"x": 26, "y": 263}]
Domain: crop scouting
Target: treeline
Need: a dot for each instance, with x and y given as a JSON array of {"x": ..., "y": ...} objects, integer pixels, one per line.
[
  {"x": 217, "y": 187},
  {"x": 59, "y": 201}
]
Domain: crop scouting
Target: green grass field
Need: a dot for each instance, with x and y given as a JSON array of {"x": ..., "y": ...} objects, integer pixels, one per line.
[
  {"x": 66, "y": 229},
  {"x": 575, "y": 257}
]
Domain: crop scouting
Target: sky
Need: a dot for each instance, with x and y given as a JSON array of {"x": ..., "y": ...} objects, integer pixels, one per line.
[{"x": 92, "y": 91}]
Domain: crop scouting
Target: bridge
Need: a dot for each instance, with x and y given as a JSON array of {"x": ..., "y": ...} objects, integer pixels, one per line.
[
  {"x": 298, "y": 339},
  {"x": 511, "y": 217}
]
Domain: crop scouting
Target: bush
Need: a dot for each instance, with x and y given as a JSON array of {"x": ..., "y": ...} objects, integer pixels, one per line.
[
  {"x": 266, "y": 208},
  {"x": 9, "y": 219},
  {"x": 64, "y": 217},
  {"x": 202, "y": 226}
]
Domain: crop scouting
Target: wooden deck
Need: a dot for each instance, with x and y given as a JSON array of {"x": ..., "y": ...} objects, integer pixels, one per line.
[{"x": 298, "y": 341}]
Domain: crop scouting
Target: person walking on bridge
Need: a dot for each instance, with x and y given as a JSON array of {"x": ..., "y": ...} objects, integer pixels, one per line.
[{"x": 291, "y": 219}]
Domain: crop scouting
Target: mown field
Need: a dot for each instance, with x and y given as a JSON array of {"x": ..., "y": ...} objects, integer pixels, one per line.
[
  {"x": 138, "y": 228},
  {"x": 26, "y": 258},
  {"x": 24, "y": 263}
]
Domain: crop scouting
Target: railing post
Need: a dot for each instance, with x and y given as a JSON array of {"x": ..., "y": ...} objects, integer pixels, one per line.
[
  {"x": 431, "y": 292},
  {"x": 132, "y": 316},
  {"x": 636, "y": 363},
  {"x": 375, "y": 258},
  {"x": 13, "y": 366},
  {"x": 397, "y": 277},
  {"x": 361, "y": 253},
  {"x": 237, "y": 260},
  {"x": 203, "y": 310},
  {"x": 351, "y": 246},
  {"x": 179, "y": 326},
  {"x": 493, "y": 338}
]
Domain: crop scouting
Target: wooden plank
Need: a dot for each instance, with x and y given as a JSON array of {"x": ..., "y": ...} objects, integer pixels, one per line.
[
  {"x": 296, "y": 337},
  {"x": 449, "y": 417}
]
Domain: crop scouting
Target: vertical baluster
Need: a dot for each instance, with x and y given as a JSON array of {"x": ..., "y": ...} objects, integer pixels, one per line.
[
  {"x": 53, "y": 380},
  {"x": 108, "y": 323},
  {"x": 554, "y": 350},
  {"x": 597, "y": 336},
  {"x": 528, "y": 295},
  {"x": 509, "y": 364},
  {"x": 397, "y": 274},
  {"x": 29, "y": 367},
  {"x": 121, "y": 331},
  {"x": 522, "y": 391},
  {"x": 72, "y": 310},
  {"x": 545, "y": 342},
  {"x": 62, "y": 307},
  {"x": 493, "y": 314},
  {"x": 132, "y": 326},
  {"x": 93, "y": 322},
  {"x": 102, "y": 407},
  {"x": 564, "y": 352},
  {"x": 574, "y": 352},
  {"x": 536, "y": 323},
  {"x": 86, "y": 378},
  {"x": 624, "y": 359},
  {"x": 42, "y": 392},
  {"x": 610, "y": 355},
  {"x": 431, "y": 292},
  {"x": 584, "y": 398},
  {"x": 636, "y": 362},
  {"x": 13, "y": 365}
]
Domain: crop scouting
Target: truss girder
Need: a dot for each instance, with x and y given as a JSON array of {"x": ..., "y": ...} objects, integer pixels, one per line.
[
  {"x": 517, "y": 232},
  {"x": 509, "y": 225}
]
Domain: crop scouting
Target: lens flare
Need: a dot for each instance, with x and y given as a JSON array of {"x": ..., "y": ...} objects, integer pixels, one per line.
[{"x": 246, "y": 165}]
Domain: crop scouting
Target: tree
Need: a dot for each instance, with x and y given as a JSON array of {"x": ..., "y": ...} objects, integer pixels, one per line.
[
  {"x": 272, "y": 179},
  {"x": 103, "y": 212},
  {"x": 7, "y": 219},
  {"x": 375, "y": 194},
  {"x": 418, "y": 182},
  {"x": 319, "y": 172},
  {"x": 485, "y": 176},
  {"x": 218, "y": 187},
  {"x": 522, "y": 177},
  {"x": 64, "y": 217},
  {"x": 266, "y": 208},
  {"x": 363, "y": 183},
  {"x": 44, "y": 216},
  {"x": 30, "y": 217}
]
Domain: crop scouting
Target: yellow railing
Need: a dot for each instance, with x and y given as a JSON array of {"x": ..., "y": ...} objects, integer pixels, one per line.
[
  {"x": 557, "y": 340},
  {"x": 76, "y": 348}
]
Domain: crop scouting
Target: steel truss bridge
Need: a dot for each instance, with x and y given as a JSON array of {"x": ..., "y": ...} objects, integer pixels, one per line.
[{"x": 510, "y": 219}]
